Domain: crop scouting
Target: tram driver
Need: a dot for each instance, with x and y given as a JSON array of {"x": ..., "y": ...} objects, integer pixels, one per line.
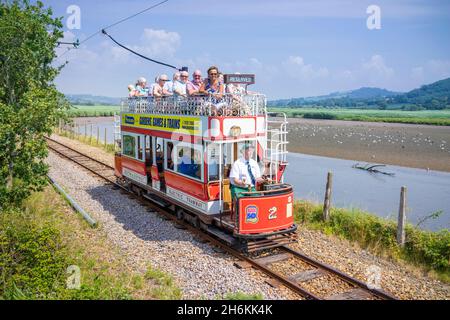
[{"x": 245, "y": 173}]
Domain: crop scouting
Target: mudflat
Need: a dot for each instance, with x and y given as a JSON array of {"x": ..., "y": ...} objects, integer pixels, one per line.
[{"x": 417, "y": 146}]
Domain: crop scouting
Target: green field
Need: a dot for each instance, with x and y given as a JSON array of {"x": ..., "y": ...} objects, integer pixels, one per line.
[
  {"x": 93, "y": 111},
  {"x": 434, "y": 117}
]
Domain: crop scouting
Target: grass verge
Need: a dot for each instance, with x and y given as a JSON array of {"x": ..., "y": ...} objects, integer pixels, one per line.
[
  {"x": 426, "y": 249},
  {"x": 243, "y": 296},
  {"x": 44, "y": 243}
]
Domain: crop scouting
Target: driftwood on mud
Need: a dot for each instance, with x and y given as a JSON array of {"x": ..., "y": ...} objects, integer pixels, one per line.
[{"x": 371, "y": 168}]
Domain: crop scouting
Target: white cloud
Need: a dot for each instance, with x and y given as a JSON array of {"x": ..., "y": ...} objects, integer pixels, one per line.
[
  {"x": 377, "y": 69},
  {"x": 158, "y": 43},
  {"x": 295, "y": 67}
]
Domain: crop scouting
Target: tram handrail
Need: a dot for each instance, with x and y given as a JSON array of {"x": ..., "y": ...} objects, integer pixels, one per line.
[
  {"x": 266, "y": 192},
  {"x": 200, "y": 105}
]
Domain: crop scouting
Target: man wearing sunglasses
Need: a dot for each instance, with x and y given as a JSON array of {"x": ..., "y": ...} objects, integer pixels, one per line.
[{"x": 179, "y": 87}]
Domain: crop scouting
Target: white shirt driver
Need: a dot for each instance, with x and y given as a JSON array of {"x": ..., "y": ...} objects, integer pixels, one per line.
[{"x": 239, "y": 170}]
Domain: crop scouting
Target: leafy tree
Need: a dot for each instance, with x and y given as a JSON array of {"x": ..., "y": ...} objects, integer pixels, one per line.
[{"x": 30, "y": 105}]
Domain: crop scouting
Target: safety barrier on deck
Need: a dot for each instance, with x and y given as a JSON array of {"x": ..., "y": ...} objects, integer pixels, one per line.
[{"x": 209, "y": 105}]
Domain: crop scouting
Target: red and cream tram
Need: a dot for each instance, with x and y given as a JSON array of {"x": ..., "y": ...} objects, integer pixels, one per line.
[{"x": 178, "y": 152}]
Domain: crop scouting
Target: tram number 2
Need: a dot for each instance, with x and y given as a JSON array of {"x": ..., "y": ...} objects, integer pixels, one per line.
[{"x": 272, "y": 213}]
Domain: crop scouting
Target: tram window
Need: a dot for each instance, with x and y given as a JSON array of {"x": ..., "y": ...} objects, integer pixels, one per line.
[
  {"x": 189, "y": 161},
  {"x": 169, "y": 155},
  {"x": 213, "y": 161},
  {"x": 140, "y": 148},
  {"x": 241, "y": 152},
  {"x": 129, "y": 146},
  {"x": 159, "y": 149}
]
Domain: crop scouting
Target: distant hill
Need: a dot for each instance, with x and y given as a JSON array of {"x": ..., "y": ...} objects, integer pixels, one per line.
[
  {"x": 88, "y": 99},
  {"x": 361, "y": 93},
  {"x": 433, "y": 96}
]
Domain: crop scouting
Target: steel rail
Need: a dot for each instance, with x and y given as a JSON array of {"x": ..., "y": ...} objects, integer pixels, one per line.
[
  {"x": 260, "y": 266},
  {"x": 346, "y": 278},
  {"x": 93, "y": 170}
]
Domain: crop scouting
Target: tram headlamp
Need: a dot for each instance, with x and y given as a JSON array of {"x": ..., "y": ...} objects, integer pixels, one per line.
[{"x": 235, "y": 131}]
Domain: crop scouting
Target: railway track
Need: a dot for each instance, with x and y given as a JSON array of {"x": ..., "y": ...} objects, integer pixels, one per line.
[{"x": 271, "y": 263}]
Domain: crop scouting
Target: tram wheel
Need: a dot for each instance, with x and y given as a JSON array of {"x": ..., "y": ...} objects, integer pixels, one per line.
[
  {"x": 196, "y": 222},
  {"x": 180, "y": 214}
]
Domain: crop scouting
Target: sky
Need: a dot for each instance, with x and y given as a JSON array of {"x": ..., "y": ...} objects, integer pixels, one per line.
[{"x": 295, "y": 48}]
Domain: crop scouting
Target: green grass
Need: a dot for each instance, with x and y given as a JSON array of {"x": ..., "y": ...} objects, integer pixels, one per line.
[
  {"x": 426, "y": 249},
  {"x": 433, "y": 117},
  {"x": 38, "y": 242},
  {"x": 93, "y": 111},
  {"x": 165, "y": 287},
  {"x": 243, "y": 296}
]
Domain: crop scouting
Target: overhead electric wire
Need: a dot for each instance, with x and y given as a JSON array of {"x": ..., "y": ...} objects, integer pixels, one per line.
[
  {"x": 116, "y": 23},
  {"x": 138, "y": 54}
]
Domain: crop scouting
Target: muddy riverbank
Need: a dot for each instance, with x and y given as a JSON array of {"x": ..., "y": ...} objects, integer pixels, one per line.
[{"x": 417, "y": 146}]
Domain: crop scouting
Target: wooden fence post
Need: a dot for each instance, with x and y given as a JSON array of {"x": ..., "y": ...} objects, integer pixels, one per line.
[
  {"x": 327, "y": 202},
  {"x": 105, "y": 137},
  {"x": 401, "y": 218},
  {"x": 98, "y": 134},
  {"x": 90, "y": 135},
  {"x": 85, "y": 130}
]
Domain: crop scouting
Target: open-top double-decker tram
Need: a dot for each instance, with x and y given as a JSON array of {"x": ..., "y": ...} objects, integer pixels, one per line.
[{"x": 178, "y": 152}]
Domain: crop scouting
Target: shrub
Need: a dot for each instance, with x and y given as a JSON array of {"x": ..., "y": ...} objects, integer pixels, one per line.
[
  {"x": 425, "y": 248},
  {"x": 32, "y": 260}
]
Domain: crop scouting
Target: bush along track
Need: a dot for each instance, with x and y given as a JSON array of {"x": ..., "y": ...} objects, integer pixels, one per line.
[{"x": 426, "y": 249}]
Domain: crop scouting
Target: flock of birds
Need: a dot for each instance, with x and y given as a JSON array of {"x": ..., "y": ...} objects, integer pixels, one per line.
[{"x": 367, "y": 136}]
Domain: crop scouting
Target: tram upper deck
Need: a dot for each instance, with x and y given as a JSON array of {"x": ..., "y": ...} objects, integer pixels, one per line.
[{"x": 228, "y": 105}]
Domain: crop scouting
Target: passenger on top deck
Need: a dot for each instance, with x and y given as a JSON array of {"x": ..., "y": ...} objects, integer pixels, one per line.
[
  {"x": 131, "y": 91},
  {"x": 193, "y": 87},
  {"x": 159, "y": 89},
  {"x": 235, "y": 88},
  {"x": 215, "y": 88},
  {"x": 141, "y": 87},
  {"x": 179, "y": 87},
  {"x": 212, "y": 84},
  {"x": 169, "y": 84},
  {"x": 152, "y": 86}
]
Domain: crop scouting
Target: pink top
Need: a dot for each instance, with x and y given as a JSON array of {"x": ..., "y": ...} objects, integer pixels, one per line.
[{"x": 191, "y": 85}]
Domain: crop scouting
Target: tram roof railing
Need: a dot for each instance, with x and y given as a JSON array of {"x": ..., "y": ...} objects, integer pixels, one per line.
[{"x": 208, "y": 105}]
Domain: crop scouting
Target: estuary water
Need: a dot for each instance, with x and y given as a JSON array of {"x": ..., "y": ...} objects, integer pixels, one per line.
[{"x": 427, "y": 191}]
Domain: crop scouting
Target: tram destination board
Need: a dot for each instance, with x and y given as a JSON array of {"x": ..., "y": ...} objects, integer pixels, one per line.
[
  {"x": 172, "y": 123},
  {"x": 239, "y": 78}
]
